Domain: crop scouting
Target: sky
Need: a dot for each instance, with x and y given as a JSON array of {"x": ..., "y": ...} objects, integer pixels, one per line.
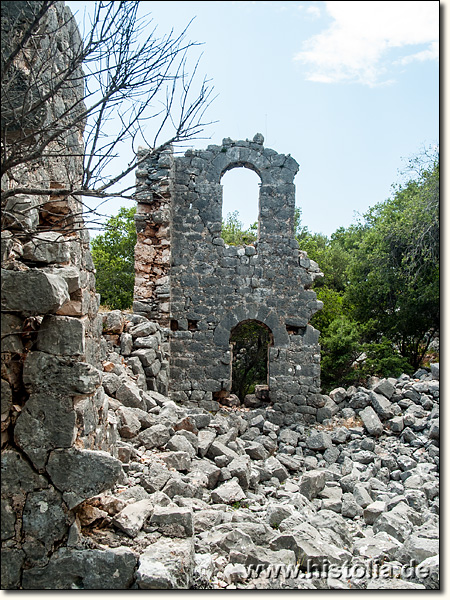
[{"x": 349, "y": 89}]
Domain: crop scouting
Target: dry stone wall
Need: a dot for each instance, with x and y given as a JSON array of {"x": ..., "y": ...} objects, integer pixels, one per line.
[
  {"x": 57, "y": 438},
  {"x": 200, "y": 288}
]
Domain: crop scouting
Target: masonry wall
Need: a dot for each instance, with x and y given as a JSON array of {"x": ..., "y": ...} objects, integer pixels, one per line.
[
  {"x": 191, "y": 282},
  {"x": 57, "y": 437}
]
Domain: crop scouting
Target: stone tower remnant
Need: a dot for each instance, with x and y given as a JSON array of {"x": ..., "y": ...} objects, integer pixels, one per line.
[{"x": 200, "y": 289}]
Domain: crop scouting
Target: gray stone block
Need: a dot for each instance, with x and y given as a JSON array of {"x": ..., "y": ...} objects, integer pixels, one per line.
[
  {"x": 63, "y": 336},
  {"x": 81, "y": 474},
  {"x": 33, "y": 292}
]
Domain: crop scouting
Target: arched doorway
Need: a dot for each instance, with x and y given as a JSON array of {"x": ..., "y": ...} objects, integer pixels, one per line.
[{"x": 250, "y": 341}]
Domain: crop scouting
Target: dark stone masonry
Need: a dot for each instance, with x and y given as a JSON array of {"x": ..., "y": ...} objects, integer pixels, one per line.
[{"x": 201, "y": 289}]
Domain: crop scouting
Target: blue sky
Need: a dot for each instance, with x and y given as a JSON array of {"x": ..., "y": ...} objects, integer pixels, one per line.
[{"x": 349, "y": 89}]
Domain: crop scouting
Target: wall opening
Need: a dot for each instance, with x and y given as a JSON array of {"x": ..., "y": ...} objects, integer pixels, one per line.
[
  {"x": 240, "y": 206},
  {"x": 250, "y": 342}
]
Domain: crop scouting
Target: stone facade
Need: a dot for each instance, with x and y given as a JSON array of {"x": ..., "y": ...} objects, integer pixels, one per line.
[{"x": 200, "y": 289}]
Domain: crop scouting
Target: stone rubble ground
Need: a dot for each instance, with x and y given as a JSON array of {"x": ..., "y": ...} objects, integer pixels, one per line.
[{"x": 204, "y": 496}]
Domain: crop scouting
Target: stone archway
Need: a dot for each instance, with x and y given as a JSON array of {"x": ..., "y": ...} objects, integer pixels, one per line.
[{"x": 250, "y": 341}]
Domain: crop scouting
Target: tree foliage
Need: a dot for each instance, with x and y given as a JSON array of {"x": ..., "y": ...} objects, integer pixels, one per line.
[
  {"x": 113, "y": 255},
  {"x": 234, "y": 235}
]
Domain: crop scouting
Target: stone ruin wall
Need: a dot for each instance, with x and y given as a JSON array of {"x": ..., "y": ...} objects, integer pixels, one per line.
[
  {"x": 55, "y": 426},
  {"x": 199, "y": 288}
]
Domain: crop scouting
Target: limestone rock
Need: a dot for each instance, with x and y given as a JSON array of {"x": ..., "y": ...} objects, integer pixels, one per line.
[
  {"x": 67, "y": 569},
  {"x": 81, "y": 474},
  {"x": 371, "y": 421},
  {"x": 132, "y": 518},
  {"x": 33, "y": 292},
  {"x": 228, "y": 493},
  {"x": 173, "y": 521},
  {"x": 166, "y": 565}
]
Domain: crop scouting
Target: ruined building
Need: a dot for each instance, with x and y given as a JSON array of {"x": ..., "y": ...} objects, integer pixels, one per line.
[{"x": 191, "y": 282}]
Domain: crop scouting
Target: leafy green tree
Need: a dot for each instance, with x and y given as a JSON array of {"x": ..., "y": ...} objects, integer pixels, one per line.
[
  {"x": 394, "y": 272},
  {"x": 113, "y": 255},
  {"x": 341, "y": 348},
  {"x": 233, "y": 233}
]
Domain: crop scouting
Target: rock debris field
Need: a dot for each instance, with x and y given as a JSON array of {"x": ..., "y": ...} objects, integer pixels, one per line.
[{"x": 233, "y": 500}]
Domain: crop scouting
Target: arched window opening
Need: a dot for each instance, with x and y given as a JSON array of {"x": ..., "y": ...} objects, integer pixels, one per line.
[
  {"x": 240, "y": 206},
  {"x": 250, "y": 341}
]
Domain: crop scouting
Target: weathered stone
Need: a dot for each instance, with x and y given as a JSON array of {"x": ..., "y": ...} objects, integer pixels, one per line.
[
  {"x": 276, "y": 513},
  {"x": 129, "y": 425},
  {"x": 338, "y": 395},
  {"x": 373, "y": 510},
  {"x": 47, "y": 422},
  {"x": 219, "y": 449},
  {"x": 11, "y": 568},
  {"x": 81, "y": 474},
  {"x": 173, "y": 521},
  {"x": 18, "y": 475},
  {"x": 62, "y": 336},
  {"x": 374, "y": 547},
  {"x": 33, "y": 292},
  {"x": 83, "y": 569},
  {"x": 180, "y": 461},
  {"x": 154, "y": 437},
  {"x": 385, "y": 387},
  {"x": 179, "y": 443},
  {"x": 132, "y": 518},
  {"x": 11, "y": 327},
  {"x": 361, "y": 495},
  {"x": 395, "y": 522},
  {"x": 113, "y": 322},
  {"x": 209, "y": 470},
  {"x": 256, "y": 451},
  {"x": 417, "y": 548},
  {"x": 381, "y": 405},
  {"x": 371, "y": 421},
  {"x": 45, "y": 520},
  {"x": 350, "y": 508},
  {"x": 307, "y": 544},
  {"x": 156, "y": 478},
  {"x": 130, "y": 395},
  {"x": 47, "y": 247},
  {"x": 292, "y": 463},
  {"x": 126, "y": 344},
  {"x": 143, "y": 329},
  {"x": 111, "y": 383},
  {"x": 427, "y": 573},
  {"x": 165, "y": 565},
  {"x": 312, "y": 483},
  {"x": 228, "y": 493},
  {"x": 275, "y": 468},
  {"x": 42, "y": 371},
  {"x": 319, "y": 440}
]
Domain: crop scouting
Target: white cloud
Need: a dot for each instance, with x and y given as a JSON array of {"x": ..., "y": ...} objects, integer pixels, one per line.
[
  {"x": 355, "y": 47},
  {"x": 314, "y": 11}
]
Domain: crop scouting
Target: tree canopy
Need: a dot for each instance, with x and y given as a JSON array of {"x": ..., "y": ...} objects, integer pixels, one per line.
[{"x": 113, "y": 255}]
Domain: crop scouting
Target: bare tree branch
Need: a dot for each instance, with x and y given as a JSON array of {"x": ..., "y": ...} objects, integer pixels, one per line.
[{"x": 136, "y": 83}]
